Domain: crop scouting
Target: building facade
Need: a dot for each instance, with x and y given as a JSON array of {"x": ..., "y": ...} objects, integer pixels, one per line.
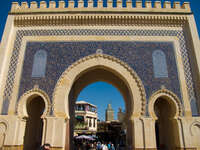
[
  {"x": 85, "y": 118},
  {"x": 109, "y": 113},
  {"x": 148, "y": 52},
  {"x": 120, "y": 115}
]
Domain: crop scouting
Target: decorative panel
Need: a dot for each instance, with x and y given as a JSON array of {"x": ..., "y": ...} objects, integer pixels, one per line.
[
  {"x": 39, "y": 64},
  {"x": 159, "y": 64},
  {"x": 116, "y": 51}
]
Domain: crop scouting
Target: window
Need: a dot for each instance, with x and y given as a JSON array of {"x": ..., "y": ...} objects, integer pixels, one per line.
[
  {"x": 94, "y": 123},
  {"x": 159, "y": 64},
  {"x": 39, "y": 64},
  {"x": 90, "y": 122}
]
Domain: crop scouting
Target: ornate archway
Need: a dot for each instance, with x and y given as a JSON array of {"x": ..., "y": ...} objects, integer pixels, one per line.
[
  {"x": 33, "y": 107},
  {"x": 170, "y": 97},
  {"x": 34, "y": 124},
  {"x": 21, "y": 108},
  {"x": 99, "y": 67},
  {"x": 119, "y": 68},
  {"x": 165, "y": 109}
]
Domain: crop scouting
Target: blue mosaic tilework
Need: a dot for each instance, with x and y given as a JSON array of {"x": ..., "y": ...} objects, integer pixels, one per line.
[
  {"x": 138, "y": 55},
  {"x": 79, "y": 32}
]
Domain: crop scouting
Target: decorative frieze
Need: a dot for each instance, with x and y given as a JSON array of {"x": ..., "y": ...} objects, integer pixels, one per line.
[
  {"x": 100, "y": 19},
  {"x": 93, "y": 13}
]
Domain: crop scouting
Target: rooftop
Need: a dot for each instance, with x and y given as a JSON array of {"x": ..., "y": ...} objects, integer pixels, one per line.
[{"x": 83, "y": 102}]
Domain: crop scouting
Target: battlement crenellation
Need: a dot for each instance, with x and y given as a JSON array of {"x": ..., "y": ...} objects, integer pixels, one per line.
[{"x": 62, "y": 6}]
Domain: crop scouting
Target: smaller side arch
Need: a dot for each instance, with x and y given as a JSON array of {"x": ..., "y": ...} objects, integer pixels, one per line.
[
  {"x": 21, "y": 108},
  {"x": 169, "y": 96},
  {"x": 3, "y": 125},
  {"x": 3, "y": 131},
  {"x": 196, "y": 123}
]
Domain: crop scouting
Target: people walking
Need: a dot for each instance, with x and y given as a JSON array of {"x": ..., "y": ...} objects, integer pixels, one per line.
[
  {"x": 104, "y": 147},
  {"x": 99, "y": 146},
  {"x": 109, "y": 145},
  {"x": 112, "y": 147}
]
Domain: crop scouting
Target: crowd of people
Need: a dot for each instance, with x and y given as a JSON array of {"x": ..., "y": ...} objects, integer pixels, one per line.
[
  {"x": 86, "y": 145},
  {"x": 94, "y": 146},
  {"x": 105, "y": 146}
]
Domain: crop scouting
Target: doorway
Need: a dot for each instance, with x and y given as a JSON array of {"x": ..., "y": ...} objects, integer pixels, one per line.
[
  {"x": 94, "y": 68},
  {"x": 34, "y": 125},
  {"x": 165, "y": 126},
  {"x": 92, "y": 76}
]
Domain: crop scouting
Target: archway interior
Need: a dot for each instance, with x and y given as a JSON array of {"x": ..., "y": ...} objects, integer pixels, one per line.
[
  {"x": 34, "y": 125},
  {"x": 166, "y": 126},
  {"x": 94, "y": 75}
]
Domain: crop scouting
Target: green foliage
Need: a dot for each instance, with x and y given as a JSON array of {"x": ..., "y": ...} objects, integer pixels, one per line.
[{"x": 80, "y": 125}]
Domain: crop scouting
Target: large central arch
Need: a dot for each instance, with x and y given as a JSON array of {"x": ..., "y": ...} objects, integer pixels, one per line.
[{"x": 113, "y": 70}]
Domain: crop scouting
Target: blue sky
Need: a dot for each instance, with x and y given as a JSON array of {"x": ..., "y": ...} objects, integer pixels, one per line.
[{"x": 99, "y": 93}]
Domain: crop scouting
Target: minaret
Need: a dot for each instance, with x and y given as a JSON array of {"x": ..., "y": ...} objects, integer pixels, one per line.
[
  {"x": 109, "y": 113},
  {"x": 120, "y": 115}
]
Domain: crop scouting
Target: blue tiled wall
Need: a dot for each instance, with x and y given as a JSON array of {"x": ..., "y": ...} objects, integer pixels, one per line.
[{"x": 137, "y": 55}]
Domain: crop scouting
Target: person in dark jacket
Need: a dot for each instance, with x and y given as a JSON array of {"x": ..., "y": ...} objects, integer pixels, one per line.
[{"x": 46, "y": 146}]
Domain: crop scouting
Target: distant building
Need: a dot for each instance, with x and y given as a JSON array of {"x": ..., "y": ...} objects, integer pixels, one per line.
[
  {"x": 112, "y": 130},
  {"x": 120, "y": 115},
  {"x": 109, "y": 113},
  {"x": 85, "y": 118}
]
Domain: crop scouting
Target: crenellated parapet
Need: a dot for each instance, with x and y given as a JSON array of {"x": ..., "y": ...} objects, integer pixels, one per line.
[{"x": 90, "y": 6}]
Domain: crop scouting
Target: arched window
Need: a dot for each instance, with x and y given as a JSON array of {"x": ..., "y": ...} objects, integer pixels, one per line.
[
  {"x": 159, "y": 64},
  {"x": 39, "y": 64}
]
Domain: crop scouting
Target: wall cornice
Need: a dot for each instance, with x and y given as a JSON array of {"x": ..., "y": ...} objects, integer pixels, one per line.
[{"x": 100, "y": 19}]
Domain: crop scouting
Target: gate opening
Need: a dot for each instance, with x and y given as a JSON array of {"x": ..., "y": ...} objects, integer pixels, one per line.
[
  {"x": 34, "y": 125},
  {"x": 89, "y": 77},
  {"x": 165, "y": 126}
]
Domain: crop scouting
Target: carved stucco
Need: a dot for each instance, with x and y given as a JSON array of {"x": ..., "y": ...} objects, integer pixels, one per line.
[
  {"x": 170, "y": 96},
  {"x": 197, "y": 124},
  {"x": 3, "y": 126},
  {"x": 21, "y": 108},
  {"x": 69, "y": 76}
]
